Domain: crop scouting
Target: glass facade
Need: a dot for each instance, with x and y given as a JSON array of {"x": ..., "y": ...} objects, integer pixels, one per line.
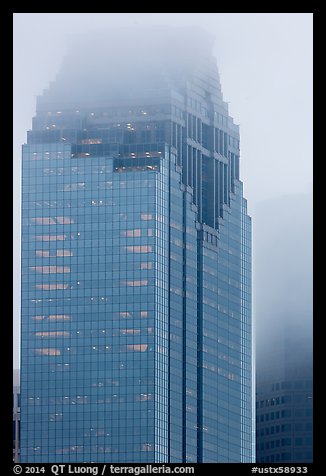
[
  {"x": 136, "y": 280},
  {"x": 284, "y": 409}
]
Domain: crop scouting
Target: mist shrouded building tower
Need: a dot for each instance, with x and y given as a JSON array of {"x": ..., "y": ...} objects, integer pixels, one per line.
[
  {"x": 136, "y": 260},
  {"x": 284, "y": 370}
]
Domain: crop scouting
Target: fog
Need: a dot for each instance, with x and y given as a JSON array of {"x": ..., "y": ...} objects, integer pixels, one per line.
[
  {"x": 283, "y": 281},
  {"x": 265, "y": 67},
  {"x": 120, "y": 66}
]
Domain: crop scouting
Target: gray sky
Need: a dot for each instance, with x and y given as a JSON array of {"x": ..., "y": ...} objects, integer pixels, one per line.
[{"x": 265, "y": 65}]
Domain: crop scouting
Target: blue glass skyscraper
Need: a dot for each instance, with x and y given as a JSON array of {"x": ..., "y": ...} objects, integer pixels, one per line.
[{"x": 136, "y": 260}]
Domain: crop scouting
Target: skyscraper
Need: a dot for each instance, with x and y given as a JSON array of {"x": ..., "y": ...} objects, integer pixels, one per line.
[
  {"x": 284, "y": 404},
  {"x": 136, "y": 260}
]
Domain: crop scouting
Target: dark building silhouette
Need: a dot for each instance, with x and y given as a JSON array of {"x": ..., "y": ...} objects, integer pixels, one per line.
[
  {"x": 284, "y": 383},
  {"x": 136, "y": 260}
]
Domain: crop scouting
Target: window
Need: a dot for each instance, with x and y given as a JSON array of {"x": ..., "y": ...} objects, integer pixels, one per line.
[
  {"x": 146, "y": 447},
  {"x": 64, "y": 220},
  {"x": 139, "y": 249},
  {"x": 52, "y": 220},
  {"x": 52, "y": 287},
  {"x": 50, "y": 269},
  {"x": 52, "y": 317},
  {"x": 137, "y": 347},
  {"x": 286, "y": 442},
  {"x": 143, "y": 397},
  {"x": 146, "y": 265},
  {"x": 125, "y": 314},
  {"x": 51, "y": 237},
  {"x": 42, "y": 254},
  {"x": 43, "y": 221},
  {"x": 59, "y": 317},
  {"x": 52, "y": 334},
  {"x": 131, "y": 233},
  {"x": 48, "y": 351},
  {"x": 64, "y": 253},
  {"x": 136, "y": 283},
  {"x": 129, "y": 331}
]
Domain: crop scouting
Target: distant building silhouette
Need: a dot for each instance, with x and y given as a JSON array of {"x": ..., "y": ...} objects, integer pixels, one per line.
[
  {"x": 284, "y": 406},
  {"x": 284, "y": 378}
]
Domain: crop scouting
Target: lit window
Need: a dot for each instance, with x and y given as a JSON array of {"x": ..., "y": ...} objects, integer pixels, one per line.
[
  {"x": 51, "y": 269},
  {"x": 137, "y": 347},
  {"x": 134, "y": 283},
  {"x": 146, "y": 216},
  {"x": 64, "y": 253},
  {"x": 52, "y": 334},
  {"x": 125, "y": 314},
  {"x": 65, "y": 220},
  {"x": 71, "y": 187},
  {"x": 130, "y": 331},
  {"x": 91, "y": 141},
  {"x": 51, "y": 237},
  {"x": 59, "y": 317},
  {"x": 51, "y": 287},
  {"x": 143, "y": 313},
  {"x": 143, "y": 397},
  {"x": 146, "y": 265},
  {"x": 38, "y": 318},
  {"x": 139, "y": 249},
  {"x": 146, "y": 447},
  {"x": 42, "y": 254},
  {"x": 131, "y": 233},
  {"x": 48, "y": 351},
  {"x": 43, "y": 221}
]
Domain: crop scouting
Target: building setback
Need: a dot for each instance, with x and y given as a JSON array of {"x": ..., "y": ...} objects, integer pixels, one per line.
[{"x": 136, "y": 260}]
